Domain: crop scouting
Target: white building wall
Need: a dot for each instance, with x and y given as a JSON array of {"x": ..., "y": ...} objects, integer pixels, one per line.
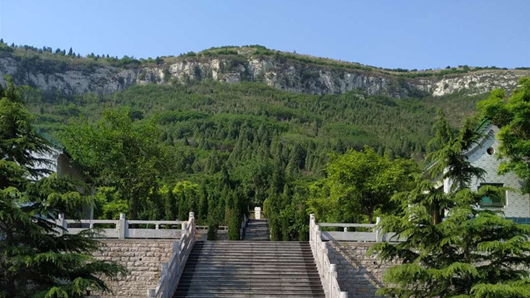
[{"x": 517, "y": 204}]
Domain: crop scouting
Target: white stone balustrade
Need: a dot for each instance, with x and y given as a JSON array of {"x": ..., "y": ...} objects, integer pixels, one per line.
[
  {"x": 375, "y": 235},
  {"x": 172, "y": 271},
  {"x": 121, "y": 228},
  {"x": 326, "y": 270}
]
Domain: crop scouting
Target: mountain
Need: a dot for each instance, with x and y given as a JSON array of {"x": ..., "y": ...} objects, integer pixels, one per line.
[
  {"x": 70, "y": 75},
  {"x": 239, "y": 122}
]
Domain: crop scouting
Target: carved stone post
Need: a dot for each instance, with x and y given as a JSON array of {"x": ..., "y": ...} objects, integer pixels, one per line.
[
  {"x": 378, "y": 231},
  {"x": 184, "y": 229},
  {"x": 176, "y": 250},
  {"x": 63, "y": 224},
  {"x": 122, "y": 227},
  {"x": 192, "y": 221},
  {"x": 332, "y": 275},
  {"x": 257, "y": 212}
]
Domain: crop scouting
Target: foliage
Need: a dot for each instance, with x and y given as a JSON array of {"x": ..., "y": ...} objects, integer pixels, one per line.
[
  {"x": 267, "y": 140},
  {"x": 363, "y": 181},
  {"x": 213, "y": 227},
  {"x": 513, "y": 117},
  {"x": 36, "y": 258},
  {"x": 119, "y": 153},
  {"x": 472, "y": 253}
]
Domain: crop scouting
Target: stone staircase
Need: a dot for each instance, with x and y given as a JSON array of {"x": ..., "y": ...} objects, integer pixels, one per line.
[
  {"x": 244, "y": 269},
  {"x": 257, "y": 230}
]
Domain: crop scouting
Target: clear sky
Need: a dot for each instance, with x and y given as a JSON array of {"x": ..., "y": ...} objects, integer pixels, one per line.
[{"x": 408, "y": 34}]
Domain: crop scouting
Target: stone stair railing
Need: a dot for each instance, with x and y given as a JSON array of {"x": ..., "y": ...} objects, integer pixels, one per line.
[
  {"x": 375, "y": 235},
  {"x": 122, "y": 228},
  {"x": 327, "y": 271},
  {"x": 172, "y": 271}
]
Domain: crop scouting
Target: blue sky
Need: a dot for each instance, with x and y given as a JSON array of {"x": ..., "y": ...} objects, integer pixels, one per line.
[{"x": 407, "y": 34}]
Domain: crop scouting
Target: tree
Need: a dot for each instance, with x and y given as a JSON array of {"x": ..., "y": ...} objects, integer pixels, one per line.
[
  {"x": 120, "y": 153},
  {"x": 472, "y": 253},
  {"x": 365, "y": 181},
  {"x": 513, "y": 118},
  {"x": 448, "y": 161},
  {"x": 234, "y": 225},
  {"x": 36, "y": 258}
]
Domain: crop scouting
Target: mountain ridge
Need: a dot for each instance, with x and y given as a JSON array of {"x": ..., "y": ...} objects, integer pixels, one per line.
[{"x": 69, "y": 74}]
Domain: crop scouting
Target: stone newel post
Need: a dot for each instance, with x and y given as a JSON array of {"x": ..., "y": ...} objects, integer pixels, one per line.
[
  {"x": 122, "y": 226},
  {"x": 257, "y": 212}
]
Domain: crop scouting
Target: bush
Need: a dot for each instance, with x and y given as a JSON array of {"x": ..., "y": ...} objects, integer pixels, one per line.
[
  {"x": 213, "y": 227},
  {"x": 234, "y": 225}
]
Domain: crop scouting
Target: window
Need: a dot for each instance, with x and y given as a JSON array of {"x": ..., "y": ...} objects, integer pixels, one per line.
[{"x": 497, "y": 201}]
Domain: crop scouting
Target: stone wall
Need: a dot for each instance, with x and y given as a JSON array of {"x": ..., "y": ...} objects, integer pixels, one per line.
[
  {"x": 358, "y": 274},
  {"x": 142, "y": 257}
]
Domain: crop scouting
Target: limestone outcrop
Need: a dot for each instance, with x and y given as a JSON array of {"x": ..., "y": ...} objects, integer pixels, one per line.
[{"x": 276, "y": 71}]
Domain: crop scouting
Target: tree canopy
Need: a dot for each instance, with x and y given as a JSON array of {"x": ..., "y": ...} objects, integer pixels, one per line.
[
  {"x": 36, "y": 258},
  {"x": 364, "y": 181},
  {"x": 513, "y": 118},
  {"x": 473, "y": 252}
]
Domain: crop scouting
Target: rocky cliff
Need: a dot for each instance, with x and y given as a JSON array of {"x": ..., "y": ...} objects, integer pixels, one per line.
[{"x": 77, "y": 76}]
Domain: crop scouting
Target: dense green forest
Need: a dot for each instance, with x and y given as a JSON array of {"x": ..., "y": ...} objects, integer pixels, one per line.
[{"x": 223, "y": 147}]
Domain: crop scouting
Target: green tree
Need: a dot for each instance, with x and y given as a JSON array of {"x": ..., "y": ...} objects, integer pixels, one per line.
[
  {"x": 513, "y": 118},
  {"x": 36, "y": 258},
  {"x": 121, "y": 153},
  {"x": 234, "y": 225},
  {"x": 472, "y": 253},
  {"x": 364, "y": 181}
]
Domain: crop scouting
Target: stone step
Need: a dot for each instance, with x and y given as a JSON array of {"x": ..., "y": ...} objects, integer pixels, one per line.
[
  {"x": 248, "y": 284},
  {"x": 264, "y": 269},
  {"x": 234, "y": 295},
  {"x": 251, "y": 277},
  {"x": 252, "y": 248},
  {"x": 243, "y": 243},
  {"x": 255, "y": 256},
  {"x": 288, "y": 261},
  {"x": 293, "y": 251},
  {"x": 220, "y": 273},
  {"x": 246, "y": 253},
  {"x": 258, "y": 291},
  {"x": 205, "y": 266}
]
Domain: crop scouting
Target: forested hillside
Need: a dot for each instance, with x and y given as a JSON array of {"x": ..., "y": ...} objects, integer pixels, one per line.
[
  {"x": 159, "y": 149},
  {"x": 227, "y": 145}
]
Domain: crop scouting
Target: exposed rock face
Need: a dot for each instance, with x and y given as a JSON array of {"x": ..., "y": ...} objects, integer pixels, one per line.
[
  {"x": 280, "y": 73},
  {"x": 477, "y": 82}
]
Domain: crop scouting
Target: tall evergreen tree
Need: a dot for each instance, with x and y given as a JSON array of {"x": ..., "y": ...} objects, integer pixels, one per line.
[
  {"x": 473, "y": 253},
  {"x": 36, "y": 258}
]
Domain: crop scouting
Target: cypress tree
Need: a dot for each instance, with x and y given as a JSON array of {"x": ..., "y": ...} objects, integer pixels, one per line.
[
  {"x": 36, "y": 258},
  {"x": 473, "y": 253}
]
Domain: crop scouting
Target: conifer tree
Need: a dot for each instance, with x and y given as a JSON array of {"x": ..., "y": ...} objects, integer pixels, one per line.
[
  {"x": 473, "y": 253},
  {"x": 36, "y": 258}
]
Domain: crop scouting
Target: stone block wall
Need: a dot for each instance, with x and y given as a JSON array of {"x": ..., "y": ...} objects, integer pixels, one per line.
[
  {"x": 142, "y": 257},
  {"x": 358, "y": 274}
]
